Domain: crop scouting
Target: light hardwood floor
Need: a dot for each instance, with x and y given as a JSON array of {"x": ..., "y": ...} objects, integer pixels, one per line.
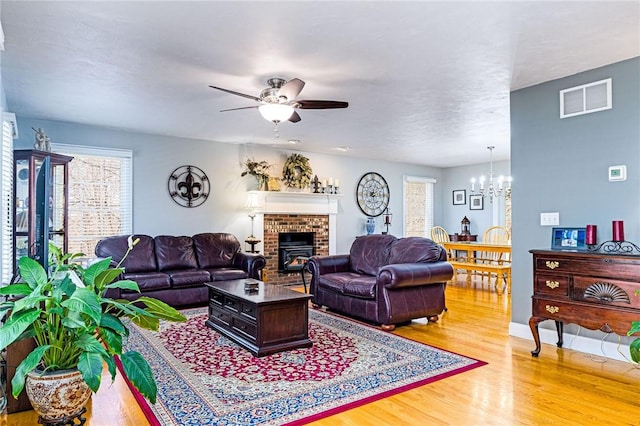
[{"x": 562, "y": 387}]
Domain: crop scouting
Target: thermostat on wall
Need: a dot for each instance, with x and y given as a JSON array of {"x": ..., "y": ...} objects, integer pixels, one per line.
[{"x": 617, "y": 173}]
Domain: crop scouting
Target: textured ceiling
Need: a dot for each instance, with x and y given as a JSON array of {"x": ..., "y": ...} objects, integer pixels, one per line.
[{"x": 427, "y": 82}]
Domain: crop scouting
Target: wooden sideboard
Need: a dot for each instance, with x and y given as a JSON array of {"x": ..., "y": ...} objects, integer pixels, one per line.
[{"x": 593, "y": 290}]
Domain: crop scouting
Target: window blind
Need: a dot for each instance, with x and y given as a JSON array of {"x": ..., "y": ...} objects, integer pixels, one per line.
[
  {"x": 6, "y": 190},
  {"x": 418, "y": 206},
  {"x": 100, "y": 194}
]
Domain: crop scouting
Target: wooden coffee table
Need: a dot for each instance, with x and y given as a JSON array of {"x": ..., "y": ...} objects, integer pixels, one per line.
[{"x": 269, "y": 320}]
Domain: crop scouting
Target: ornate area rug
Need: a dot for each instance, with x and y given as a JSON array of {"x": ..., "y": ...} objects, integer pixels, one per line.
[{"x": 206, "y": 379}]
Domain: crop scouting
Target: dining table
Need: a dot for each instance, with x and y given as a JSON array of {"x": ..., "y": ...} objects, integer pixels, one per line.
[{"x": 481, "y": 257}]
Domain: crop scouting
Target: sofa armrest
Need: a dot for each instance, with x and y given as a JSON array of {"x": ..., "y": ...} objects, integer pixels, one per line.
[
  {"x": 251, "y": 263},
  {"x": 320, "y": 265},
  {"x": 414, "y": 274}
]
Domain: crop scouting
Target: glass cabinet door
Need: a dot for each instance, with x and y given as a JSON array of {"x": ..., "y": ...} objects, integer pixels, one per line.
[{"x": 27, "y": 164}]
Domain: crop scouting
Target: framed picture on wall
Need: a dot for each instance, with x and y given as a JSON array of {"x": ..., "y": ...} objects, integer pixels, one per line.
[
  {"x": 476, "y": 202},
  {"x": 459, "y": 197}
]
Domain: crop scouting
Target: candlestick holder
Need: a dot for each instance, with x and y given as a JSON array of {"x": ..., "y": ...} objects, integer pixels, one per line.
[
  {"x": 316, "y": 184},
  {"x": 615, "y": 247},
  {"x": 335, "y": 189},
  {"x": 387, "y": 220},
  {"x": 329, "y": 189}
]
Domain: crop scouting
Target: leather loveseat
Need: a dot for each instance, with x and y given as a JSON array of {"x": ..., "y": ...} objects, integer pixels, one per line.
[
  {"x": 174, "y": 269},
  {"x": 383, "y": 279}
]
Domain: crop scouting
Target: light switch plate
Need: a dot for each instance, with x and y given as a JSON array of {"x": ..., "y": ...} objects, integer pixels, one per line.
[{"x": 550, "y": 219}]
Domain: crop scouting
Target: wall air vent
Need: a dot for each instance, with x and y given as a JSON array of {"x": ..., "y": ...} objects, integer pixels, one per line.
[{"x": 585, "y": 99}]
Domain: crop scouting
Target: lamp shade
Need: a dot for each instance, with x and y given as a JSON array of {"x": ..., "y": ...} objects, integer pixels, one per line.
[{"x": 276, "y": 112}]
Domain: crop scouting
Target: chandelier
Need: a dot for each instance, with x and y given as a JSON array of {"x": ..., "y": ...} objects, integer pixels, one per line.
[{"x": 500, "y": 187}]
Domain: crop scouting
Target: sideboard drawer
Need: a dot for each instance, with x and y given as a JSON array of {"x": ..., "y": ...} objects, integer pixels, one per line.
[
  {"x": 552, "y": 284},
  {"x": 593, "y": 317},
  {"x": 597, "y": 266},
  {"x": 606, "y": 291}
]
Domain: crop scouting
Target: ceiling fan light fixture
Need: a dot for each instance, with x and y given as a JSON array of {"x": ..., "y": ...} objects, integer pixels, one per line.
[{"x": 276, "y": 113}]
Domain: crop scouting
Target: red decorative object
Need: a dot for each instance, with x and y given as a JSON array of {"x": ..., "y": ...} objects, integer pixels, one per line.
[
  {"x": 618, "y": 230},
  {"x": 591, "y": 238}
]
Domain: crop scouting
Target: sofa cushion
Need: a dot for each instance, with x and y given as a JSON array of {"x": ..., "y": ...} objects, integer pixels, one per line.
[
  {"x": 224, "y": 274},
  {"x": 370, "y": 252},
  {"x": 141, "y": 258},
  {"x": 175, "y": 253},
  {"x": 214, "y": 250},
  {"x": 148, "y": 281},
  {"x": 415, "y": 250},
  {"x": 188, "y": 277},
  {"x": 363, "y": 287}
]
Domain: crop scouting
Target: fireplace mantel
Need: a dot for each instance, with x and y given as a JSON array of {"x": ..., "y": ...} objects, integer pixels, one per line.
[
  {"x": 280, "y": 202},
  {"x": 302, "y": 203}
]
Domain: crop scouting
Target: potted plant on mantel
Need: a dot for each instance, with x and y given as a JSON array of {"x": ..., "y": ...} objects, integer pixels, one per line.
[
  {"x": 76, "y": 329},
  {"x": 259, "y": 170}
]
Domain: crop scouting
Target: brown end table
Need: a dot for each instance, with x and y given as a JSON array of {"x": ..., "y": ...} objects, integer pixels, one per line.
[{"x": 269, "y": 320}]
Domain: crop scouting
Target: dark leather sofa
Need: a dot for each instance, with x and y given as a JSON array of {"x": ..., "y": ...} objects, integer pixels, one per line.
[
  {"x": 383, "y": 279},
  {"x": 174, "y": 269}
]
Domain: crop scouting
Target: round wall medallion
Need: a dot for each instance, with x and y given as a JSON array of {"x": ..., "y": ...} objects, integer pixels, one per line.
[
  {"x": 372, "y": 194},
  {"x": 188, "y": 186}
]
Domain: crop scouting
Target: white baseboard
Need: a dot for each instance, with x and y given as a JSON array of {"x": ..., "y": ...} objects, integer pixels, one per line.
[{"x": 587, "y": 345}]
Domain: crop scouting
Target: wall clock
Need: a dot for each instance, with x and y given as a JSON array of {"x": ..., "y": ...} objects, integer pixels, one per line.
[{"x": 372, "y": 194}]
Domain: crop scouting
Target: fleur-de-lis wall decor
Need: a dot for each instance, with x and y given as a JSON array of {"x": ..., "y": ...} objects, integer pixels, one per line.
[{"x": 188, "y": 186}]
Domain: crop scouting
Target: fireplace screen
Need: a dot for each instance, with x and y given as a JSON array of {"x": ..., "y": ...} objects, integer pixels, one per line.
[{"x": 294, "y": 249}]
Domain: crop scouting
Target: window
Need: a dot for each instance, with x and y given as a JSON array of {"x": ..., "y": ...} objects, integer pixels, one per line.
[
  {"x": 6, "y": 202},
  {"x": 418, "y": 206},
  {"x": 100, "y": 195}
]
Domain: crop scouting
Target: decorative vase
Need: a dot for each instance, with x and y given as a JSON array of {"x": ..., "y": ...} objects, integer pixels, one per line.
[
  {"x": 264, "y": 184},
  {"x": 371, "y": 225},
  {"x": 57, "y": 395}
]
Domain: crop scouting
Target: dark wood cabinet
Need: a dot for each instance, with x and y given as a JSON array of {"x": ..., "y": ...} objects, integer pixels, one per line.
[
  {"x": 593, "y": 290},
  {"x": 27, "y": 163}
]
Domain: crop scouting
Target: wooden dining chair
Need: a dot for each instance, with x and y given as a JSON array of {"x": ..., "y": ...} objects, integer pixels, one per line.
[
  {"x": 440, "y": 235},
  {"x": 495, "y": 235}
]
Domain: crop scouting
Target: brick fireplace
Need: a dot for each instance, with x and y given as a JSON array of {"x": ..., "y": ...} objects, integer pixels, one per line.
[
  {"x": 293, "y": 212},
  {"x": 274, "y": 225}
]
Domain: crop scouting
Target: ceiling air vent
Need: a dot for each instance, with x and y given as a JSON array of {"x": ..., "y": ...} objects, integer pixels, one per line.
[{"x": 584, "y": 99}]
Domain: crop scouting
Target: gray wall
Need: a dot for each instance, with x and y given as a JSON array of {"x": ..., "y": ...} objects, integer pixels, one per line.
[
  {"x": 154, "y": 157},
  {"x": 562, "y": 166},
  {"x": 456, "y": 178}
]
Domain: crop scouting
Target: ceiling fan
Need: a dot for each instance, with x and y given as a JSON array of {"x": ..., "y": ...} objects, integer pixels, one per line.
[{"x": 278, "y": 102}]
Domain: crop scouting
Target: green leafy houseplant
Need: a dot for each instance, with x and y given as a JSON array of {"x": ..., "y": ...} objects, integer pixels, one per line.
[
  {"x": 74, "y": 325},
  {"x": 634, "y": 348}
]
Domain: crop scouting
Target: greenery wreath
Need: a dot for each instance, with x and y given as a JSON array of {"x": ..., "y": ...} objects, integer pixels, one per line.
[{"x": 297, "y": 171}]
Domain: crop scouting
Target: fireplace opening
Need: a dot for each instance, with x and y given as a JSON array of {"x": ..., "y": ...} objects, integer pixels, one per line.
[{"x": 294, "y": 249}]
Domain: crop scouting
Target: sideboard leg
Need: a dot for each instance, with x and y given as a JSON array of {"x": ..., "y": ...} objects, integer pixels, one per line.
[
  {"x": 559, "y": 327},
  {"x": 533, "y": 325}
]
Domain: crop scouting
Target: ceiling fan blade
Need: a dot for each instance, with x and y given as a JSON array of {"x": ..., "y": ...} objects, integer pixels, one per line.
[
  {"x": 236, "y": 93},
  {"x": 315, "y": 104},
  {"x": 235, "y": 109},
  {"x": 291, "y": 89},
  {"x": 294, "y": 117}
]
